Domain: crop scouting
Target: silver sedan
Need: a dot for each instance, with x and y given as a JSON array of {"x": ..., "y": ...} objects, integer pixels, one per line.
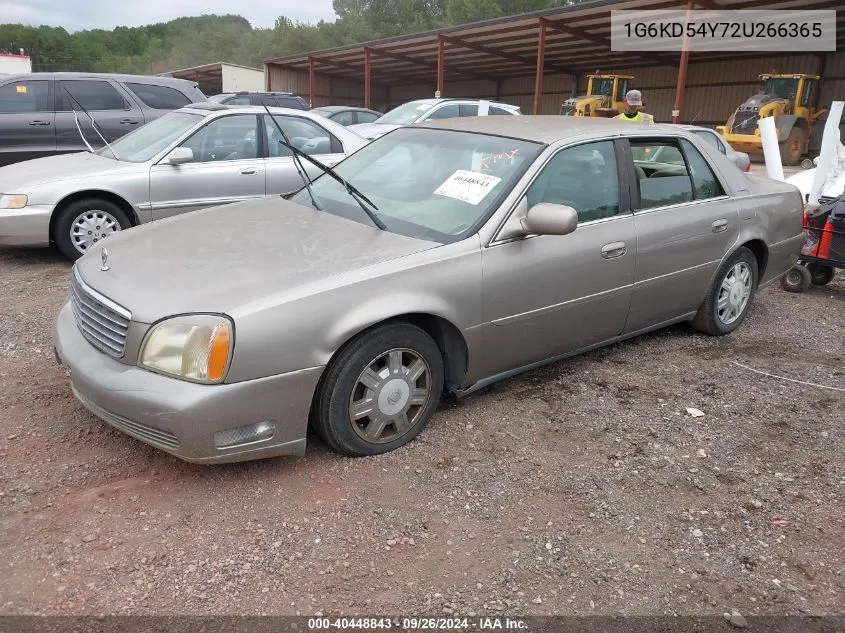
[{"x": 199, "y": 156}]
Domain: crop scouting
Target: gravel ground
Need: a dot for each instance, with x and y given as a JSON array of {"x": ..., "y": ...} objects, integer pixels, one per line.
[{"x": 585, "y": 487}]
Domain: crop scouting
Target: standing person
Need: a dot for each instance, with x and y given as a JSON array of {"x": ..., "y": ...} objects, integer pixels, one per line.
[{"x": 633, "y": 103}]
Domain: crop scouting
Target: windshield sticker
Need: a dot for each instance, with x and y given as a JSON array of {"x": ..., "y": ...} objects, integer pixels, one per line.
[
  {"x": 21, "y": 89},
  {"x": 467, "y": 186}
]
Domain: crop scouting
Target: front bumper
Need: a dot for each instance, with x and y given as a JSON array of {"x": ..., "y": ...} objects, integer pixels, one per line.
[
  {"x": 182, "y": 417},
  {"x": 29, "y": 226}
]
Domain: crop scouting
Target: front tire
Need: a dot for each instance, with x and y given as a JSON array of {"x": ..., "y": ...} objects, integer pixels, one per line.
[
  {"x": 729, "y": 298},
  {"x": 792, "y": 148},
  {"x": 380, "y": 391},
  {"x": 84, "y": 223}
]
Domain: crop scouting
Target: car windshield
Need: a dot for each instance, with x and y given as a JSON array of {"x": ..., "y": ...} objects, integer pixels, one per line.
[
  {"x": 406, "y": 113},
  {"x": 322, "y": 113},
  {"x": 430, "y": 184},
  {"x": 783, "y": 87},
  {"x": 142, "y": 144}
]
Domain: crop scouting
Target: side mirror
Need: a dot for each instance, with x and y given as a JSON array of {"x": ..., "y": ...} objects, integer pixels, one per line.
[
  {"x": 180, "y": 156},
  {"x": 550, "y": 219}
]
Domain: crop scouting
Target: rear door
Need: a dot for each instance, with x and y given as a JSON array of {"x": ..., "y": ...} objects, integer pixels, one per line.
[
  {"x": 226, "y": 168},
  {"x": 304, "y": 134},
  {"x": 27, "y": 120},
  {"x": 113, "y": 110},
  {"x": 685, "y": 225}
]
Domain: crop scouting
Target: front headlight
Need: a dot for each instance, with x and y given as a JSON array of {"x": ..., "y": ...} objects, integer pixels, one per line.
[
  {"x": 196, "y": 347},
  {"x": 12, "y": 201}
]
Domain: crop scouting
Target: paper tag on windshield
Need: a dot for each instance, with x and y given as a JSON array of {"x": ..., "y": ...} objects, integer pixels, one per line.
[
  {"x": 21, "y": 89},
  {"x": 467, "y": 186}
]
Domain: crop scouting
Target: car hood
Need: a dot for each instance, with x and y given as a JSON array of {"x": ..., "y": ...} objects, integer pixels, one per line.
[
  {"x": 228, "y": 257},
  {"x": 833, "y": 187},
  {"x": 16, "y": 178},
  {"x": 372, "y": 130}
]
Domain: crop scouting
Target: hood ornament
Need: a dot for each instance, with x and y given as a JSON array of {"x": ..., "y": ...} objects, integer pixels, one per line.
[{"x": 104, "y": 254}]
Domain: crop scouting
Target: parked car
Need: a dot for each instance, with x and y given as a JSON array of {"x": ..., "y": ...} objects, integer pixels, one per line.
[
  {"x": 199, "y": 156},
  {"x": 834, "y": 183},
  {"x": 740, "y": 159},
  {"x": 270, "y": 99},
  {"x": 37, "y": 116},
  {"x": 347, "y": 115},
  {"x": 506, "y": 247},
  {"x": 431, "y": 110}
]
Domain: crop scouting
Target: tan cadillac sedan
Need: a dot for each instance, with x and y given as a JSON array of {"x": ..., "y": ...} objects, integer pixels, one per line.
[{"x": 479, "y": 248}]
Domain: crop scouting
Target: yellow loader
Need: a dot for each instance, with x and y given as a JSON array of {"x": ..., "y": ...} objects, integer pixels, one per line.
[{"x": 605, "y": 97}]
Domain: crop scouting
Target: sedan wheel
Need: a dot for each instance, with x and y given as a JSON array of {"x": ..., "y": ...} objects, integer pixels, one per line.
[
  {"x": 83, "y": 224},
  {"x": 91, "y": 227},
  {"x": 380, "y": 390},
  {"x": 730, "y": 295},
  {"x": 734, "y": 292}
]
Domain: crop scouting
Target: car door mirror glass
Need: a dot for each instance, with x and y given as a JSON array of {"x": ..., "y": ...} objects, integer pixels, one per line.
[
  {"x": 180, "y": 156},
  {"x": 547, "y": 218}
]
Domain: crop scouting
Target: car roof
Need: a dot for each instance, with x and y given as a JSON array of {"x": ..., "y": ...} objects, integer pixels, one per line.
[
  {"x": 342, "y": 109},
  {"x": 549, "y": 128},
  {"x": 147, "y": 79},
  {"x": 434, "y": 101}
]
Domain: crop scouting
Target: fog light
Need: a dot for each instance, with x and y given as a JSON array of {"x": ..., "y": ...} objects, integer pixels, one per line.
[{"x": 244, "y": 435}]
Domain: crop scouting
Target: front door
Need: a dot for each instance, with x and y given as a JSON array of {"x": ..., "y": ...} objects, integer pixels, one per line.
[
  {"x": 685, "y": 226},
  {"x": 226, "y": 168},
  {"x": 548, "y": 295},
  {"x": 114, "y": 113},
  {"x": 27, "y": 121},
  {"x": 305, "y": 135}
]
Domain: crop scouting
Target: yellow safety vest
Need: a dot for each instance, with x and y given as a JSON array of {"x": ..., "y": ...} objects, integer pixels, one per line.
[{"x": 641, "y": 117}]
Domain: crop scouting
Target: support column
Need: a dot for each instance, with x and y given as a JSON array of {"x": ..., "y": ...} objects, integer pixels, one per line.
[
  {"x": 312, "y": 81},
  {"x": 440, "y": 65},
  {"x": 367, "y": 75},
  {"x": 682, "y": 71},
  {"x": 266, "y": 78},
  {"x": 541, "y": 58}
]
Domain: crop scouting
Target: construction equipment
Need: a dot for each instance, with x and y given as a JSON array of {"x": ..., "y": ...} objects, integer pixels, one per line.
[
  {"x": 793, "y": 102},
  {"x": 605, "y": 97}
]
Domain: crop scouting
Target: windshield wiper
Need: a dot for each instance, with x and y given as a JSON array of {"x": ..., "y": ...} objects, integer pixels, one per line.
[
  {"x": 296, "y": 161},
  {"x": 93, "y": 125},
  {"x": 356, "y": 195}
]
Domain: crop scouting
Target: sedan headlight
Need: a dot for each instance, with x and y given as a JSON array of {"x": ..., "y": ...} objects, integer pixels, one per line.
[
  {"x": 12, "y": 201},
  {"x": 196, "y": 347}
]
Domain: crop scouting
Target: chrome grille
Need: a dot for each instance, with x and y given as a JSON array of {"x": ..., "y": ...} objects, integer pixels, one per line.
[
  {"x": 745, "y": 122},
  {"x": 102, "y": 322}
]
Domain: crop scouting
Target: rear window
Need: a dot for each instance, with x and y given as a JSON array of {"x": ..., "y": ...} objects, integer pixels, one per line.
[
  {"x": 292, "y": 102},
  {"x": 159, "y": 97}
]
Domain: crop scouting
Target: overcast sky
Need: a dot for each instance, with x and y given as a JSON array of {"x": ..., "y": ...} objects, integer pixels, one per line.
[{"x": 75, "y": 15}]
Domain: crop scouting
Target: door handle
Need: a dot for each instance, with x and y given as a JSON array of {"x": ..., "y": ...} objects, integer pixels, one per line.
[
  {"x": 720, "y": 225},
  {"x": 249, "y": 171},
  {"x": 39, "y": 123},
  {"x": 614, "y": 249},
  {"x": 129, "y": 121}
]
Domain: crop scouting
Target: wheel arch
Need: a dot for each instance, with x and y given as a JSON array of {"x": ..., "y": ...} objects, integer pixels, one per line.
[
  {"x": 761, "y": 254},
  {"x": 94, "y": 193}
]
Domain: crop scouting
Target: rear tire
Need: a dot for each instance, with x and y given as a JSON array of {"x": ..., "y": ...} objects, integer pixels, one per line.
[
  {"x": 797, "y": 279},
  {"x": 792, "y": 148},
  {"x": 84, "y": 223},
  {"x": 730, "y": 296},
  {"x": 821, "y": 274},
  {"x": 380, "y": 391}
]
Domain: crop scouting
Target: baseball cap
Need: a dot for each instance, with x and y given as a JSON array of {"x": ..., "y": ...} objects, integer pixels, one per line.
[{"x": 634, "y": 98}]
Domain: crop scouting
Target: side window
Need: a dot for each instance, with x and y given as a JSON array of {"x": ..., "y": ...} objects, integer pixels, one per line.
[
  {"x": 25, "y": 96},
  {"x": 661, "y": 173},
  {"x": 468, "y": 109},
  {"x": 710, "y": 139},
  {"x": 703, "y": 178},
  {"x": 449, "y": 111},
  {"x": 583, "y": 177},
  {"x": 367, "y": 117},
  {"x": 809, "y": 89},
  {"x": 92, "y": 94},
  {"x": 242, "y": 100},
  {"x": 268, "y": 100},
  {"x": 290, "y": 102},
  {"x": 304, "y": 135},
  {"x": 159, "y": 97},
  {"x": 225, "y": 138},
  {"x": 344, "y": 118},
  {"x": 499, "y": 111}
]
